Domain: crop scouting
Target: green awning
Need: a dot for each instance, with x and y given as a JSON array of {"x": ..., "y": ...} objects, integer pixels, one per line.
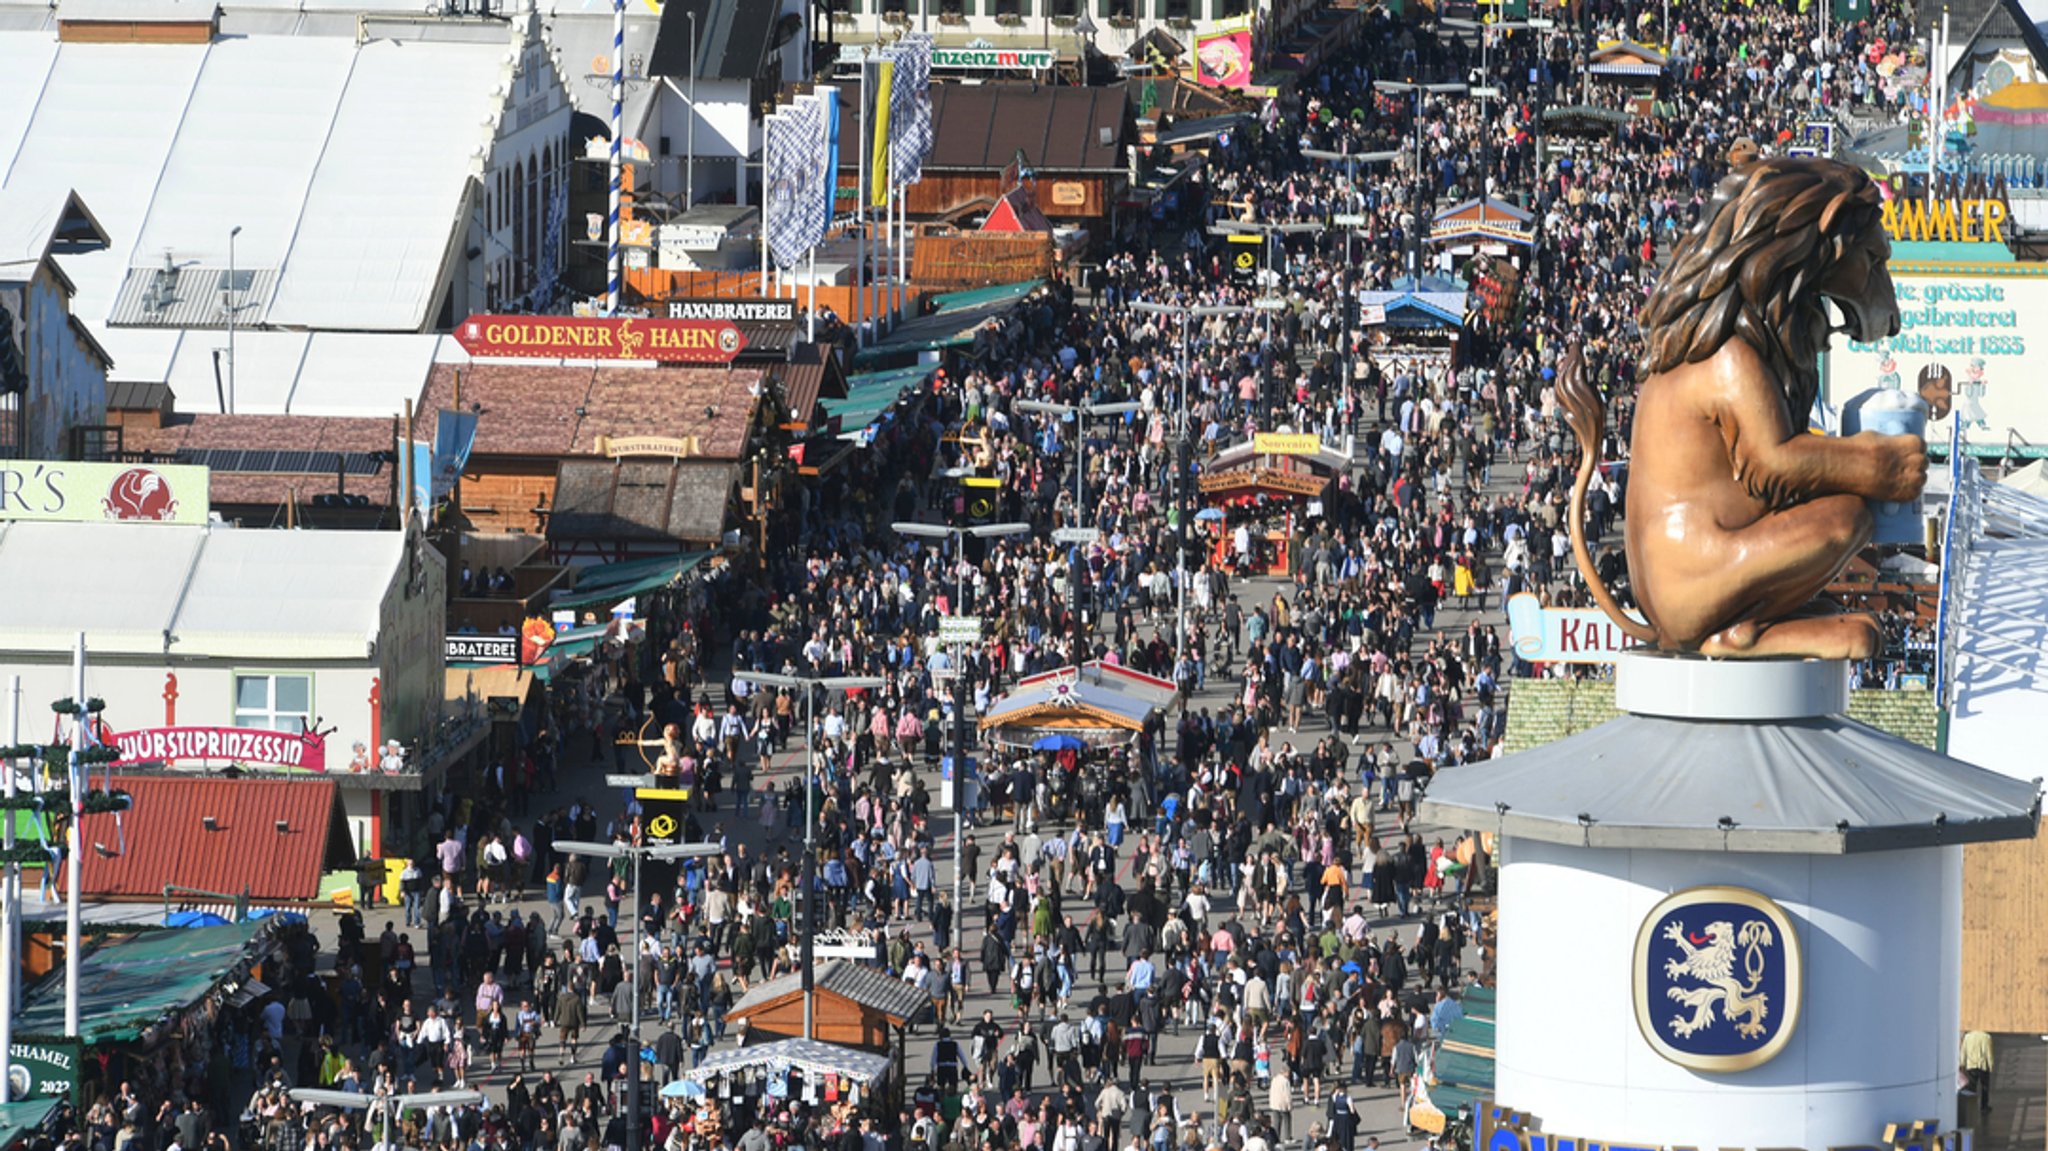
[
  {"x": 19, "y": 1121},
  {"x": 129, "y": 983},
  {"x": 1471, "y": 1031},
  {"x": 869, "y": 394},
  {"x": 606, "y": 585},
  {"x": 1479, "y": 1002},
  {"x": 1467, "y": 1071},
  {"x": 958, "y": 317},
  {"x": 979, "y": 297}
]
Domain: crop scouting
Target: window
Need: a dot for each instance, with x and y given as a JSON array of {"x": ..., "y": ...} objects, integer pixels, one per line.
[
  {"x": 1179, "y": 10},
  {"x": 1225, "y": 9},
  {"x": 1067, "y": 8},
  {"x": 1008, "y": 8},
  {"x": 274, "y": 702}
]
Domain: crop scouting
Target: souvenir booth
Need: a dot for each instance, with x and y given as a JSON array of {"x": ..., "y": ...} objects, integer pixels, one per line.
[
  {"x": 1414, "y": 321},
  {"x": 1634, "y": 71},
  {"x": 1095, "y": 705},
  {"x": 1087, "y": 719},
  {"x": 1270, "y": 486},
  {"x": 745, "y": 1087}
]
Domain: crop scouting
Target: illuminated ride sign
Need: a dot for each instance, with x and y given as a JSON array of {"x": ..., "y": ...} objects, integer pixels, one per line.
[{"x": 582, "y": 338}]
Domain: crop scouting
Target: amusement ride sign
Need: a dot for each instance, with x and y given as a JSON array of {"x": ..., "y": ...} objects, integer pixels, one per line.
[
  {"x": 307, "y": 752},
  {"x": 583, "y": 338}
]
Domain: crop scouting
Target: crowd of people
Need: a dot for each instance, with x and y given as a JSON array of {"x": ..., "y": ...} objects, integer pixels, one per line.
[{"x": 1246, "y": 878}]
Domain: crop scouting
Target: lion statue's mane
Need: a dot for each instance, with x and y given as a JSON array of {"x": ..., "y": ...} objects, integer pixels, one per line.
[{"x": 1750, "y": 267}]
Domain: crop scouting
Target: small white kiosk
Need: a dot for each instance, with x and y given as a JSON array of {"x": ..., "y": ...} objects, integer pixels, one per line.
[{"x": 1729, "y": 918}]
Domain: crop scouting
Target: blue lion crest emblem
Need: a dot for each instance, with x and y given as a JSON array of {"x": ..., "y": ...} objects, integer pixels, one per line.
[{"x": 1717, "y": 978}]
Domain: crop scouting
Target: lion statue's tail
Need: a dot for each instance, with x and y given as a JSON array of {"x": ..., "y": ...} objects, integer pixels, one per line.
[{"x": 1588, "y": 417}]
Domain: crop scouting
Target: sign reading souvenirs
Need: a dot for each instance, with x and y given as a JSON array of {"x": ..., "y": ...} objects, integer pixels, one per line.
[
  {"x": 1563, "y": 635},
  {"x": 483, "y": 649},
  {"x": 737, "y": 311},
  {"x": 307, "y": 752},
  {"x": 992, "y": 59},
  {"x": 584, "y": 338},
  {"x": 1717, "y": 978},
  {"x": 1286, "y": 443},
  {"x": 1497, "y": 1128},
  {"x": 68, "y": 492}
]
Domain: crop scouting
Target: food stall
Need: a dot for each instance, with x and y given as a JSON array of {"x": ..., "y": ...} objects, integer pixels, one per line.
[
  {"x": 747, "y": 1086},
  {"x": 1268, "y": 486}
]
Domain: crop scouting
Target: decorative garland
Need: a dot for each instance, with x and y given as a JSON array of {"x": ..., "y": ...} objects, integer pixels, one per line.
[{"x": 69, "y": 706}]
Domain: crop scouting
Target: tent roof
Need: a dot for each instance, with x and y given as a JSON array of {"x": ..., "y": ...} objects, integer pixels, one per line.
[
  {"x": 813, "y": 1056},
  {"x": 1825, "y": 785},
  {"x": 128, "y": 983},
  {"x": 344, "y": 224},
  {"x": 1016, "y": 211},
  {"x": 195, "y": 591}
]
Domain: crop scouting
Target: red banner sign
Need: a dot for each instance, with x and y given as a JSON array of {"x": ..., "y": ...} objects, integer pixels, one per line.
[
  {"x": 240, "y": 744},
  {"x": 580, "y": 338}
]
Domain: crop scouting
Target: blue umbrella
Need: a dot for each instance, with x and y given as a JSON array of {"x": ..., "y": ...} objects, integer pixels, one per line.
[
  {"x": 1209, "y": 514},
  {"x": 194, "y": 919},
  {"x": 1058, "y": 743}
]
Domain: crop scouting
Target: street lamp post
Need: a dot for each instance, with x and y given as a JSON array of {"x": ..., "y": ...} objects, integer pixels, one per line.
[
  {"x": 383, "y": 1101},
  {"x": 232, "y": 307},
  {"x": 807, "y": 874},
  {"x": 1080, "y": 412},
  {"x": 1399, "y": 86},
  {"x": 690, "y": 127},
  {"x": 1180, "y": 471},
  {"x": 958, "y": 536},
  {"x": 636, "y": 853}
]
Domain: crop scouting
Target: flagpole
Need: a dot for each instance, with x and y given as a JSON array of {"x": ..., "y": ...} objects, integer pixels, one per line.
[
  {"x": 860, "y": 212},
  {"x": 75, "y": 880},
  {"x": 811, "y": 319},
  {"x": 10, "y": 887},
  {"x": 611, "y": 295}
]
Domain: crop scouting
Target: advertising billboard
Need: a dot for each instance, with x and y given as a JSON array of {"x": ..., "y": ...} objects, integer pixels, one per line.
[
  {"x": 63, "y": 491},
  {"x": 1975, "y": 325}
]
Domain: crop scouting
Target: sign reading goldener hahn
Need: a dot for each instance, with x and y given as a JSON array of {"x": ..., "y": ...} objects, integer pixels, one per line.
[{"x": 585, "y": 338}]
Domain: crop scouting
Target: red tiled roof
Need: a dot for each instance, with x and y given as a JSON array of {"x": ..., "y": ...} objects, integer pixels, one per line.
[
  {"x": 530, "y": 410},
  {"x": 166, "y": 840},
  {"x": 274, "y": 433}
]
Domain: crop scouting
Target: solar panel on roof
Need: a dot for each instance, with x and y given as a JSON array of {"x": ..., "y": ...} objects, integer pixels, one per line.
[
  {"x": 362, "y": 463},
  {"x": 294, "y": 461},
  {"x": 259, "y": 461}
]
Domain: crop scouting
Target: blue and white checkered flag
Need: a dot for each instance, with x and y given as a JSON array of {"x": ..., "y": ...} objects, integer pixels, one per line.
[
  {"x": 786, "y": 177},
  {"x": 914, "y": 76},
  {"x": 820, "y": 136}
]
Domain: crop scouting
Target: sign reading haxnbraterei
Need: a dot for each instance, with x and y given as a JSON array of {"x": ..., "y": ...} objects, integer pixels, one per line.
[{"x": 736, "y": 311}]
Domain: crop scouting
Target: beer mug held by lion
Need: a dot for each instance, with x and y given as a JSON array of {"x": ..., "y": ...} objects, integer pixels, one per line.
[{"x": 1737, "y": 519}]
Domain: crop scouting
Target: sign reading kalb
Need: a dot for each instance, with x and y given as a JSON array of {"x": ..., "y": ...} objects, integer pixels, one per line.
[{"x": 585, "y": 338}]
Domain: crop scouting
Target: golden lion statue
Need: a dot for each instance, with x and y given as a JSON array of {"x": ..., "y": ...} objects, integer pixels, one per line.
[{"x": 1736, "y": 517}]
